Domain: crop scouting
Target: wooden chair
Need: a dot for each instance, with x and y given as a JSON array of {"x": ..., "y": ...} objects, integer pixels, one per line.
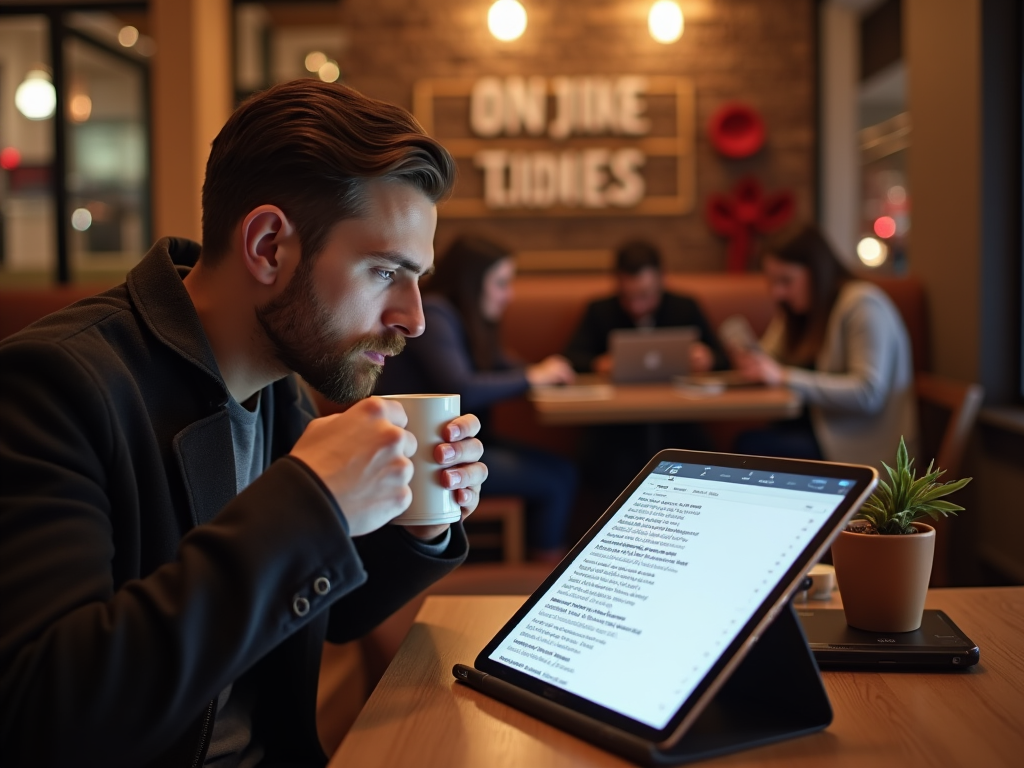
[
  {"x": 945, "y": 440},
  {"x": 509, "y": 512}
]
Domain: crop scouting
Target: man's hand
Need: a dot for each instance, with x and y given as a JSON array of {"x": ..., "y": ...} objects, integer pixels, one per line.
[
  {"x": 464, "y": 471},
  {"x": 701, "y": 357},
  {"x": 602, "y": 364},
  {"x": 363, "y": 456},
  {"x": 757, "y": 366},
  {"x": 553, "y": 369}
]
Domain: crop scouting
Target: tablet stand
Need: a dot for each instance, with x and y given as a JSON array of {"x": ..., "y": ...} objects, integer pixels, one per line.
[{"x": 775, "y": 693}]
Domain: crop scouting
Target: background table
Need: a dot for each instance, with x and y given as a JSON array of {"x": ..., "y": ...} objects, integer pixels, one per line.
[
  {"x": 647, "y": 403},
  {"x": 419, "y": 716}
]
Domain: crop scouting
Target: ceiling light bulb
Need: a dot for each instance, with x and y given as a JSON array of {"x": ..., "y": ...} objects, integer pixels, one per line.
[
  {"x": 665, "y": 21},
  {"x": 506, "y": 19}
]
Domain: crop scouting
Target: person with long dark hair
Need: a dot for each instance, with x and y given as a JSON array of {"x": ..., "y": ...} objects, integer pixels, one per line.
[
  {"x": 841, "y": 343},
  {"x": 460, "y": 352}
]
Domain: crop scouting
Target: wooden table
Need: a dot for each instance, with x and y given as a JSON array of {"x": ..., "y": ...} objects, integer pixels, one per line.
[
  {"x": 649, "y": 403},
  {"x": 420, "y": 717}
]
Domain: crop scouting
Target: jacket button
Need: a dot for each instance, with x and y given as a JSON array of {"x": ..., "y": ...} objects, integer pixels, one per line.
[
  {"x": 322, "y": 586},
  {"x": 300, "y": 605}
]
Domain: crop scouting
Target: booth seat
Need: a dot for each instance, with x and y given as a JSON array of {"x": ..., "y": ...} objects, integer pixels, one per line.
[{"x": 546, "y": 309}]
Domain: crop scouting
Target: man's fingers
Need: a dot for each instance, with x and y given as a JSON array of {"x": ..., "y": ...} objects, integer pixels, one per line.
[
  {"x": 466, "y": 425},
  {"x": 468, "y": 499},
  {"x": 464, "y": 476},
  {"x": 391, "y": 410},
  {"x": 409, "y": 444},
  {"x": 459, "y": 452}
]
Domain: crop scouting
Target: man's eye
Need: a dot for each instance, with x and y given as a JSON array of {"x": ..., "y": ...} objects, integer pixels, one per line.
[{"x": 385, "y": 274}]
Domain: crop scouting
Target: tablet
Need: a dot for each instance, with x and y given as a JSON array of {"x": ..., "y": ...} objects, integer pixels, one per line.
[
  {"x": 937, "y": 644},
  {"x": 653, "y": 609}
]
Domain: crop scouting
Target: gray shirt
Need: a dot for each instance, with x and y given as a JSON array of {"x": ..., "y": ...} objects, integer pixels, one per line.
[
  {"x": 231, "y": 744},
  {"x": 861, "y": 391}
]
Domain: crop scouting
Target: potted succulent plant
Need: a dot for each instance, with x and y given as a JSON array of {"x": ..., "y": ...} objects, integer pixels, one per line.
[{"x": 883, "y": 559}]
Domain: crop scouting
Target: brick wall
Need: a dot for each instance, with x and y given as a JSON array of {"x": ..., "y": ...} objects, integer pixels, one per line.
[{"x": 757, "y": 51}]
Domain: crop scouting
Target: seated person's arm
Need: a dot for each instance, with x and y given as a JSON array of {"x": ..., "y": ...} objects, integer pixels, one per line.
[
  {"x": 863, "y": 387},
  {"x": 708, "y": 354},
  {"x": 587, "y": 350}
]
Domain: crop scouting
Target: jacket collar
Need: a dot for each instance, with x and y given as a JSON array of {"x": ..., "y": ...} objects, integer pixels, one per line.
[{"x": 156, "y": 288}]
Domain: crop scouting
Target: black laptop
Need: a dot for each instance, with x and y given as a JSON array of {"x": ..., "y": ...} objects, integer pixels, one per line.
[{"x": 937, "y": 644}]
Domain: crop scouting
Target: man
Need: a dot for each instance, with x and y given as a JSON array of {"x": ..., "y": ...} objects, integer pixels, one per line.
[
  {"x": 178, "y": 532},
  {"x": 613, "y": 454},
  {"x": 640, "y": 302}
]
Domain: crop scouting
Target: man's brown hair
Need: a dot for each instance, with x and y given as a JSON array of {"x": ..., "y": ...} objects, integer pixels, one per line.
[{"x": 309, "y": 148}]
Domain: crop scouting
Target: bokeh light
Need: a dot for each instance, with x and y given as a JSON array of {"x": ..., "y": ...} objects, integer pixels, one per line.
[
  {"x": 10, "y": 158},
  {"x": 329, "y": 72},
  {"x": 872, "y": 252},
  {"x": 315, "y": 60},
  {"x": 128, "y": 36},
  {"x": 506, "y": 19},
  {"x": 36, "y": 97},
  {"x": 897, "y": 195},
  {"x": 81, "y": 219},
  {"x": 665, "y": 21},
  {"x": 885, "y": 227},
  {"x": 80, "y": 107}
]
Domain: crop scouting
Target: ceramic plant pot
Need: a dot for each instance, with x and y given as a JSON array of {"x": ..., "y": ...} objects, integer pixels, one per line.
[{"x": 883, "y": 580}]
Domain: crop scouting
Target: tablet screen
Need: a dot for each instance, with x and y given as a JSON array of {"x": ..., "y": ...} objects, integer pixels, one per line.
[{"x": 666, "y": 584}]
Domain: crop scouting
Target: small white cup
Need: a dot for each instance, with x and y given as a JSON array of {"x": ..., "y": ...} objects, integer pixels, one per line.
[
  {"x": 432, "y": 504},
  {"x": 823, "y": 581}
]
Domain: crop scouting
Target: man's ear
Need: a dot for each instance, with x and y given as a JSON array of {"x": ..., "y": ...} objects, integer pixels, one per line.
[{"x": 270, "y": 247}]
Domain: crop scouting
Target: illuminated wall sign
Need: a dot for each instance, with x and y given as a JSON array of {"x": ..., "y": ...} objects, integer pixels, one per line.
[{"x": 564, "y": 145}]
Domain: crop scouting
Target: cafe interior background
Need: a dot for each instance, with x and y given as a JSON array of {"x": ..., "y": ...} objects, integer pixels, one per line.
[{"x": 577, "y": 124}]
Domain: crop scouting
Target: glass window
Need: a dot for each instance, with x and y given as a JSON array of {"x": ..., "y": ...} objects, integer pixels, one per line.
[
  {"x": 107, "y": 159},
  {"x": 74, "y": 144},
  {"x": 28, "y": 249}
]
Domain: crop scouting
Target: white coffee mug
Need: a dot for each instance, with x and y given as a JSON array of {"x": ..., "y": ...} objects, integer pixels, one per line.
[{"x": 432, "y": 504}]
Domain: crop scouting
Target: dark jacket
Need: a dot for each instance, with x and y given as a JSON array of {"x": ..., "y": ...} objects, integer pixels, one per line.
[
  {"x": 134, "y": 584},
  {"x": 440, "y": 361},
  {"x": 606, "y": 315}
]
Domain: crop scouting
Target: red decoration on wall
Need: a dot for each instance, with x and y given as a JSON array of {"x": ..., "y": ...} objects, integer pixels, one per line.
[
  {"x": 744, "y": 211},
  {"x": 736, "y": 130}
]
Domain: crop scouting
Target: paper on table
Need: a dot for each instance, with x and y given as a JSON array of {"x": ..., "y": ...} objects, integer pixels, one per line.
[{"x": 573, "y": 392}]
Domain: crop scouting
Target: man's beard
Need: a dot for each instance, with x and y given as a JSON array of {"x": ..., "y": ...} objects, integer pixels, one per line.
[{"x": 297, "y": 325}]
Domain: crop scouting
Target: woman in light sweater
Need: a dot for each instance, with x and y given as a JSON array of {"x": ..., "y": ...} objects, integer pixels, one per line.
[{"x": 841, "y": 343}]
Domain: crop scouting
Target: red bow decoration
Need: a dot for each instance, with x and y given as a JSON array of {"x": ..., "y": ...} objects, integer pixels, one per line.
[{"x": 743, "y": 212}]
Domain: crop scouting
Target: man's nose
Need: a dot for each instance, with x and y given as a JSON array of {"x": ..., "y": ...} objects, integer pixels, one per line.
[{"x": 406, "y": 314}]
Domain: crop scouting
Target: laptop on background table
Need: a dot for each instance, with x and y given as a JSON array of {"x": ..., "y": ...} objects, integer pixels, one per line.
[{"x": 648, "y": 355}]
